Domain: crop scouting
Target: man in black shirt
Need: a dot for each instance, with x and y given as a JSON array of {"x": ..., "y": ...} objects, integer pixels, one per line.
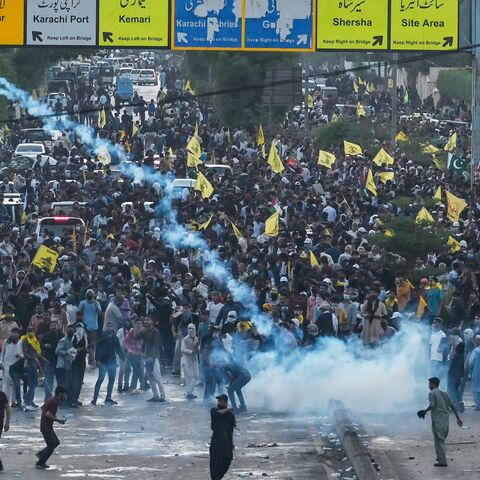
[
  {"x": 49, "y": 342},
  {"x": 221, "y": 446}
]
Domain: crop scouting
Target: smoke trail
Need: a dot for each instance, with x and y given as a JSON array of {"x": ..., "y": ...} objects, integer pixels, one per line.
[{"x": 35, "y": 108}]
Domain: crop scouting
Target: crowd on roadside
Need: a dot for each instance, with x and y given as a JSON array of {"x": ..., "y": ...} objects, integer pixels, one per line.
[{"x": 127, "y": 301}]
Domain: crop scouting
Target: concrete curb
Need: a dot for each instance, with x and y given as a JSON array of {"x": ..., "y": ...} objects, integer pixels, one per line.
[{"x": 356, "y": 451}]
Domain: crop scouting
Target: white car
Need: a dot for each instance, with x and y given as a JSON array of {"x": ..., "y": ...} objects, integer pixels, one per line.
[
  {"x": 30, "y": 150},
  {"x": 147, "y": 77},
  {"x": 53, "y": 97},
  {"x": 135, "y": 74},
  {"x": 125, "y": 72}
]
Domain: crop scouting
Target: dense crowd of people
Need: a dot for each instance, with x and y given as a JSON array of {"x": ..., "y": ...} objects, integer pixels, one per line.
[{"x": 136, "y": 306}]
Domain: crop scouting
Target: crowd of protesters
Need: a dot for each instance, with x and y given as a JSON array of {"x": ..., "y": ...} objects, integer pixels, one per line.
[{"x": 124, "y": 300}]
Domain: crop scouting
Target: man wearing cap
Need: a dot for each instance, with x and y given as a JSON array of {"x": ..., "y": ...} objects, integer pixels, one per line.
[{"x": 223, "y": 423}]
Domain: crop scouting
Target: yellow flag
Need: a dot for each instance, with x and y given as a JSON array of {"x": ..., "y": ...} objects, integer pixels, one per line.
[
  {"x": 437, "y": 162},
  {"x": 236, "y": 230},
  {"x": 370, "y": 185},
  {"x": 383, "y": 158},
  {"x": 360, "y": 81},
  {"x": 188, "y": 88},
  {"x": 134, "y": 130},
  {"x": 264, "y": 153},
  {"x": 386, "y": 176},
  {"x": 371, "y": 88},
  {"x": 103, "y": 155},
  {"x": 274, "y": 160},
  {"x": 313, "y": 260},
  {"x": 401, "y": 137},
  {"x": 45, "y": 258},
  {"x": 260, "y": 137},
  {"x": 272, "y": 225},
  {"x": 429, "y": 148},
  {"x": 205, "y": 225},
  {"x": 203, "y": 186},
  {"x": 193, "y": 161},
  {"x": 74, "y": 239},
  {"x": 194, "y": 147},
  {"x": 352, "y": 148},
  {"x": 24, "y": 218},
  {"x": 334, "y": 118},
  {"x": 438, "y": 195},
  {"x": 170, "y": 152},
  {"x": 361, "y": 110},
  {"x": 102, "y": 122},
  {"x": 355, "y": 87},
  {"x": 422, "y": 304},
  {"x": 311, "y": 101},
  {"x": 424, "y": 216},
  {"x": 454, "y": 245},
  {"x": 389, "y": 233},
  {"x": 326, "y": 159},
  {"x": 456, "y": 206},
  {"x": 122, "y": 135},
  {"x": 452, "y": 143}
]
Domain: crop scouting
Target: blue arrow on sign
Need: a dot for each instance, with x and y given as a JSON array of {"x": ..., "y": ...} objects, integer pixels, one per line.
[
  {"x": 283, "y": 25},
  {"x": 207, "y": 24}
]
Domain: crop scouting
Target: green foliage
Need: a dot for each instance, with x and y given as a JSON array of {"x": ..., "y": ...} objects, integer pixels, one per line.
[
  {"x": 410, "y": 239},
  {"x": 456, "y": 84},
  {"x": 413, "y": 150},
  {"x": 333, "y": 135},
  {"x": 418, "y": 201},
  {"x": 219, "y": 71}
]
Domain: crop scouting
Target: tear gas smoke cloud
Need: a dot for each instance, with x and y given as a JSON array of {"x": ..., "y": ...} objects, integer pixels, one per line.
[
  {"x": 389, "y": 378},
  {"x": 380, "y": 380}
]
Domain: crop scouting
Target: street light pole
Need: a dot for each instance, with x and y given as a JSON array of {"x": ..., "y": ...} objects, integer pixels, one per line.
[
  {"x": 476, "y": 90},
  {"x": 307, "y": 93},
  {"x": 393, "y": 138}
]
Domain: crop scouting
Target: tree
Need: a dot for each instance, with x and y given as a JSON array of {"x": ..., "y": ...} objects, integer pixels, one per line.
[
  {"x": 409, "y": 239},
  {"x": 242, "y": 72},
  {"x": 456, "y": 84}
]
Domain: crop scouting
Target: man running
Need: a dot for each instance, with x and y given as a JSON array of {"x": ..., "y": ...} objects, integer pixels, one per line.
[
  {"x": 221, "y": 446},
  {"x": 49, "y": 416}
]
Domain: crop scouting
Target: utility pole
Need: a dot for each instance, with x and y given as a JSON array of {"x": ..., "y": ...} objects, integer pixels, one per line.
[
  {"x": 393, "y": 137},
  {"x": 307, "y": 93},
  {"x": 476, "y": 89}
]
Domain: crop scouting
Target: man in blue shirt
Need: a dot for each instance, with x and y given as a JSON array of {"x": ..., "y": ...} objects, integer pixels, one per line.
[{"x": 91, "y": 310}]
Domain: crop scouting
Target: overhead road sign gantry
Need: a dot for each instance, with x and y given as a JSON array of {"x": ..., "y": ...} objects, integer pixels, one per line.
[
  {"x": 133, "y": 23},
  {"x": 61, "y": 22},
  {"x": 283, "y": 25},
  {"x": 425, "y": 24},
  {"x": 11, "y": 22},
  {"x": 352, "y": 25}
]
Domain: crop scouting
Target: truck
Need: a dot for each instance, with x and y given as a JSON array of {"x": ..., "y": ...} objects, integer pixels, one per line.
[{"x": 123, "y": 90}]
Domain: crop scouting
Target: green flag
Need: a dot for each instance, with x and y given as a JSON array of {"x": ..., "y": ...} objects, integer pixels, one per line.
[{"x": 457, "y": 164}]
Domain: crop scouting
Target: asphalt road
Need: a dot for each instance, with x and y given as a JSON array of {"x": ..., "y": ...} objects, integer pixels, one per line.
[
  {"x": 406, "y": 443},
  {"x": 139, "y": 440}
]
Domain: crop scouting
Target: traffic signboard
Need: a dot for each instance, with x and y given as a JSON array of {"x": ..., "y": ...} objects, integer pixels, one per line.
[
  {"x": 352, "y": 25},
  {"x": 283, "y": 25},
  {"x": 61, "y": 22},
  {"x": 207, "y": 24},
  {"x": 11, "y": 22},
  {"x": 424, "y": 24},
  {"x": 133, "y": 23}
]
